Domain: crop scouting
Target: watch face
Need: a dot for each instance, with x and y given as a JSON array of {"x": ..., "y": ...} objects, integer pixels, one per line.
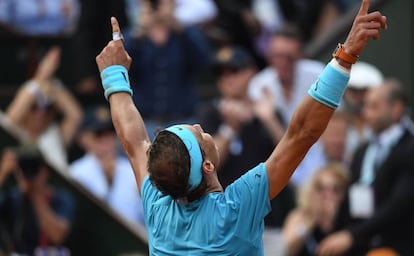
[{"x": 338, "y": 47}]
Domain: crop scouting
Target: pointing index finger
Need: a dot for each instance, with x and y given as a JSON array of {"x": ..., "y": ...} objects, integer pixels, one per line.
[
  {"x": 364, "y": 7},
  {"x": 115, "y": 25},
  {"x": 116, "y": 31}
]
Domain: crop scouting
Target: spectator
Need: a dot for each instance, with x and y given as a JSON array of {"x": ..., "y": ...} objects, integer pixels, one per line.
[
  {"x": 245, "y": 133},
  {"x": 37, "y": 216},
  {"x": 363, "y": 77},
  {"x": 102, "y": 170},
  {"x": 288, "y": 75},
  {"x": 40, "y": 18},
  {"x": 378, "y": 211},
  {"x": 36, "y": 107},
  {"x": 168, "y": 58},
  {"x": 287, "y": 78},
  {"x": 314, "y": 217}
]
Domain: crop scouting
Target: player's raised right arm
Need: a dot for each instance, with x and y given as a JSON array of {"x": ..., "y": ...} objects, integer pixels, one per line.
[{"x": 313, "y": 114}]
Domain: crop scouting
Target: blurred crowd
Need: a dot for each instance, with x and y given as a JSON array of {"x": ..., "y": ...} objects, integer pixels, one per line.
[{"x": 353, "y": 193}]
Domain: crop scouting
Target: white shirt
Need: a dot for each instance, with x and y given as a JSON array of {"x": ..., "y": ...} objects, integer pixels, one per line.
[
  {"x": 354, "y": 139},
  {"x": 122, "y": 196}
]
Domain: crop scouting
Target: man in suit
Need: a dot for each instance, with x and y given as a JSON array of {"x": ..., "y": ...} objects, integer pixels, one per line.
[{"x": 379, "y": 209}]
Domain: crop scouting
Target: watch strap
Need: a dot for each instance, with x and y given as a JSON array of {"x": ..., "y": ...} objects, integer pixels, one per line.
[{"x": 339, "y": 53}]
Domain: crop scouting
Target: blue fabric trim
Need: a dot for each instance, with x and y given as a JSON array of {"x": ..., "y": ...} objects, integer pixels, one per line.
[
  {"x": 196, "y": 158},
  {"x": 115, "y": 79},
  {"x": 330, "y": 87}
]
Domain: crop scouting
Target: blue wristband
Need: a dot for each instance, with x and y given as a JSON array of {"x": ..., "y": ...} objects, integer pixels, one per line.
[
  {"x": 329, "y": 87},
  {"x": 115, "y": 79}
]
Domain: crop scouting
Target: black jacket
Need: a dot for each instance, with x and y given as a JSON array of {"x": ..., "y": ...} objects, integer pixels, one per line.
[{"x": 392, "y": 224}]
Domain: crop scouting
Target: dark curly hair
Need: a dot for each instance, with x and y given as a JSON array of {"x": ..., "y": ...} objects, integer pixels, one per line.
[{"x": 169, "y": 166}]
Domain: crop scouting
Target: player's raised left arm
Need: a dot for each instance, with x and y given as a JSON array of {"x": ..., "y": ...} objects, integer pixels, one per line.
[{"x": 113, "y": 63}]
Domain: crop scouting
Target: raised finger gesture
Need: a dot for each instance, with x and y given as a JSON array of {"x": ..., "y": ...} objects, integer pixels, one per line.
[
  {"x": 114, "y": 53},
  {"x": 366, "y": 26}
]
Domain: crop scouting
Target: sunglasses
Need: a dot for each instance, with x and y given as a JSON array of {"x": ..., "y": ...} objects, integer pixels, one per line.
[
  {"x": 335, "y": 188},
  {"x": 103, "y": 132}
]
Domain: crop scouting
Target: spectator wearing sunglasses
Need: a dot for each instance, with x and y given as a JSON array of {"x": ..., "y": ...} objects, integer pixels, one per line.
[{"x": 317, "y": 206}]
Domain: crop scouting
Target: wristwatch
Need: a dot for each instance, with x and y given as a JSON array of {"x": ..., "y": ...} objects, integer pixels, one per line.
[{"x": 339, "y": 53}]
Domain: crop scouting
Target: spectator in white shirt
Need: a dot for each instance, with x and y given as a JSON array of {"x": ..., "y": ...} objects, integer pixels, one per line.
[
  {"x": 287, "y": 78},
  {"x": 102, "y": 170}
]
